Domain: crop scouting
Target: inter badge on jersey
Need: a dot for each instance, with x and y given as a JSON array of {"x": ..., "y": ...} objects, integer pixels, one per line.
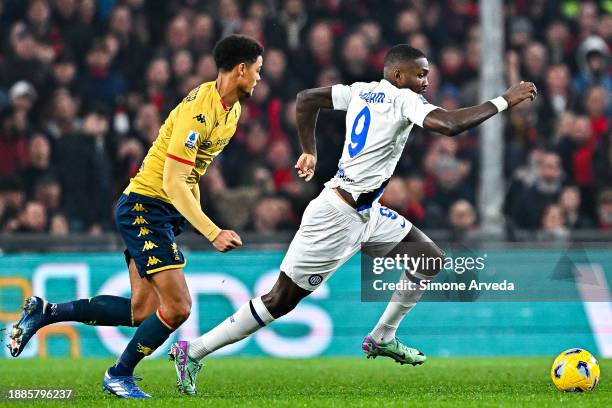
[{"x": 192, "y": 139}]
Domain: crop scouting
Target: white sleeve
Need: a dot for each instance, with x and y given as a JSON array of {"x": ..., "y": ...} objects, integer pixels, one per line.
[
  {"x": 415, "y": 107},
  {"x": 341, "y": 96}
]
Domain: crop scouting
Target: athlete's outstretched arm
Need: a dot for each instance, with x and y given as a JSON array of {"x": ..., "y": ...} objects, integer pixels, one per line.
[
  {"x": 308, "y": 103},
  {"x": 451, "y": 123}
]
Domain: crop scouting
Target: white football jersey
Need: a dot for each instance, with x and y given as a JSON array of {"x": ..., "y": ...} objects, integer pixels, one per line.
[{"x": 379, "y": 118}]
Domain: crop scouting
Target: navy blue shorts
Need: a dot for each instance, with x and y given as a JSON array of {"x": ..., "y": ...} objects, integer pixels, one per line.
[{"x": 149, "y": 228}]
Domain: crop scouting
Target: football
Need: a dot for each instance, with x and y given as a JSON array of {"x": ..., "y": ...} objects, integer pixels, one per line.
[{"x": 575, "y": 370}]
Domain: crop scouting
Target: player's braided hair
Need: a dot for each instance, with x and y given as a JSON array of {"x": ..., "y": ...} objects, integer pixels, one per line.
[
  {"x": 236, "y": 49},
  {"x": 402, "y": 52}
]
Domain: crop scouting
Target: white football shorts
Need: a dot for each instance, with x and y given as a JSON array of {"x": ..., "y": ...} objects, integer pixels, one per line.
[{"x": 332, "y": 232}]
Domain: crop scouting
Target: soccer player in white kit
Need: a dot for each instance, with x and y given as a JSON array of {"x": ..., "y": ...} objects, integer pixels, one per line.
[{"x": 379, "y": 118}]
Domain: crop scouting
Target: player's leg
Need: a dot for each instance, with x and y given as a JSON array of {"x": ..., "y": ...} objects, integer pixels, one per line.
[
  {"x": 101, "y": 310},
  {"x": 174, "y": 308},
  {"x": 382, "y": 339},
  {"x": 148, "y": 228},
  {"x": 144, "y": 297},
  {"x": 250, "y": 317},
  {"x": 326, "y": 239}
]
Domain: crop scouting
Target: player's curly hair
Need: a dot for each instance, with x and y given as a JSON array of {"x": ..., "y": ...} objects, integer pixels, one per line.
[
  {"x": 402, "y": 52},
  {"x": 236, "y": 49}
]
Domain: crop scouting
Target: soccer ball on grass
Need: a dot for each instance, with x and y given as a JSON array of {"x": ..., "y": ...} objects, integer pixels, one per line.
[{"x": 575, "y": 370}]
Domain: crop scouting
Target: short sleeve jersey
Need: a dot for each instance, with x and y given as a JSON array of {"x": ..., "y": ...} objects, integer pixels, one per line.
[
  {"x": 379, "y": 118},
  {"x": 194, "y": 133}
]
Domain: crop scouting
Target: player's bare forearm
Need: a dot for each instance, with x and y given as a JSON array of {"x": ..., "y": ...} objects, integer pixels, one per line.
[
  {"x": 308, "y": 103},
  {"x": 451, "y": 123}
]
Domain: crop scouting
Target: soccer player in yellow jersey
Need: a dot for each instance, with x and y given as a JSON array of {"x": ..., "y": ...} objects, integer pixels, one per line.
[{"x": 152, "y": 210}]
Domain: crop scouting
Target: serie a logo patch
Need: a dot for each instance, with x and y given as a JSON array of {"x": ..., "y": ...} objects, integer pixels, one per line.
[{"x": 192, "y": 139}]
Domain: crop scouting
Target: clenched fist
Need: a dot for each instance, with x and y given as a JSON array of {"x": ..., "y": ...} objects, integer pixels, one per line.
[
  {"x": 226, "y": 241},
  {"x": 520, "y": 92},
  {"x": 306, "y": 166}
]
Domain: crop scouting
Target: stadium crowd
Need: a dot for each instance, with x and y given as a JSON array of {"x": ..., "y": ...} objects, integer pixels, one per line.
[{"x": 86, "y": 84}]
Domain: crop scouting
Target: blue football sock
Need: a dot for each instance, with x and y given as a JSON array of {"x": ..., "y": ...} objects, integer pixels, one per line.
[
  {"x": 103, "y": 310},
  {"x": 150, "y": 335}
]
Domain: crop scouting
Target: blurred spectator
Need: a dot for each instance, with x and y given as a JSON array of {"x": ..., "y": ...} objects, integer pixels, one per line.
[
  {"x": 604, "y": 210},
  {"x": 33, "y": 218},
  {"x": 355, "y": 60},
  {"x": 12, "y": 142},
  {"x": 231, "y": 207},
  {"x": 270, "y": 215},
  {"x": 84, "y": 174},
  {"x": 157, "y": 87},
  {"x": 461, "y": 219},
  {"x": 63, "y": 75},
  {"x": 576, "y": 151},
  {"x": 521, "y": 32},
  {"x": 597, "y": 104},
  {"x": 281, "y": 82},
  {"x": 178, "y": 34},
  {"x": 558, "y": 41},
  {"x": 63, "y": 119},
  {"x": 592, "y": 57},
  {"x": 319, "y": 55},
  {"x": 286, "y": 31},
  {"x": 204, "y": 33},
  {"x": 148, "y": 123},
  {"x": 100, "y": 83},
  {"x": 557, "y": 98},
  {"x": 553, "y": 225},
  {"x": 527, "y": 199},
  {"x": 23, "y": 96},
  {"x": 48, "y": 192},
  {"x": 39, "y": 167},
  {"x": 78, "y": 26},
  {"x": 395, "y": 195},
  {"x": 241, "y": 162},
  {"x": 449, "y": 187},
  {"x": 59, "y": 225},
  {"x": 535, "y": 59},
  {"x": 23, "y": 61},
  {"x": 11, "y": 202},
  {"x": 602, "y": 162},
  {"x": 132, "y": 53},
  {"x": 569, "y": 201},
  {"x": 415, "y": 211}
]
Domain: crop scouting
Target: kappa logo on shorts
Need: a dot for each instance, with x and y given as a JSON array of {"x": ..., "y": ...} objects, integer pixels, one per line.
[
  {"x": 148, "y": 245},
  {"x": 315, "y": 280},
  {"x": 144, "y": 231},
  {"x": 139, "y": 207},
  {"x": 140, "y": 220},
  {"x": 153, "y": 260},
  {"x": 192, "y": 139}
]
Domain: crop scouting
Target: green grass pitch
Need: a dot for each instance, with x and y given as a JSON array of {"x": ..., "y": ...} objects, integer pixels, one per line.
[{"x": 241, "y": 381}]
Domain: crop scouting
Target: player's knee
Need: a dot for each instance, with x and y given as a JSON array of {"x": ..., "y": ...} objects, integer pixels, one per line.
[
  {"x": 277, "y": 304},
  {"x": 178, "y": 311},
  {"x": 141, "y": 309}
]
